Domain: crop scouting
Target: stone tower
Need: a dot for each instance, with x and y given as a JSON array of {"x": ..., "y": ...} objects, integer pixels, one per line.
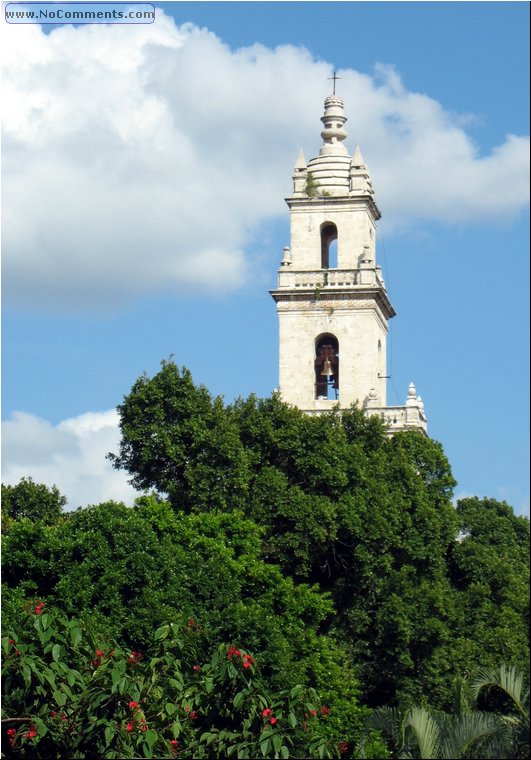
[{"x": 331, "y": 299}]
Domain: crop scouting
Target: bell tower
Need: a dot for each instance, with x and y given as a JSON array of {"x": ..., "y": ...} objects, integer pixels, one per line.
[{"x": 331, "y": 299}]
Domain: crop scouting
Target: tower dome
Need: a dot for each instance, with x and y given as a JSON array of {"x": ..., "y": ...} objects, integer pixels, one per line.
[{"x": 331, "y": 168}]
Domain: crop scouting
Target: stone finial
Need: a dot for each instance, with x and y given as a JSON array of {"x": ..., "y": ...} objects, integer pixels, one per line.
[
  {"x": 286, "y": 257},
  {"x": 360, "y": 180},
  {"x": 357, "y": 159},
  {"x": 372, "y": 399},
  {"x": 300, "y": 175},
  {"x": 333, "y": 120},
  {"x": 411, "y": 395},
  {"x": 300, "y": 163}
]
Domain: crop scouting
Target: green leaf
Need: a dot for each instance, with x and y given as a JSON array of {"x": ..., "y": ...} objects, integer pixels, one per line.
[
  {"x": 116, "y": 675},
  {"x": 150, "y": 737},
  {"x": 209, "y": 685},
  {"x": 296, "y": 691},
  {"x": 26, "y": 675},
  {"x": 162, "y": 632},
  {"x": 264, "y": 746},
  {"x": 238, "y": 699},
  {"x": 284, "y": 752},
  {"x": 60, "y": 698},
  {"x": 75, "y": 636},
  {"x": 277, "y": 742},
  {"x": 56, "y": 652},
  {"x": 170, "y": 708},
  {"x": 109, "y": 733},
  {"x": 292, "y": 719}
]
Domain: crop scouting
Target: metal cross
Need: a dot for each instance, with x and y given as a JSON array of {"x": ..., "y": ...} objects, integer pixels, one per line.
[{"x": 335, "y": 78}]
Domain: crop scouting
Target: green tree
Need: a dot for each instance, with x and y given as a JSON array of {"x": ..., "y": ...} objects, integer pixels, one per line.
[
  {"x": 489, "y": 569},
  {"x": 179, "y": 440},
  {"x": 33, "y": 501},
  {"x": 366, "y": 517},
  {"x": 128, "y": 570}
]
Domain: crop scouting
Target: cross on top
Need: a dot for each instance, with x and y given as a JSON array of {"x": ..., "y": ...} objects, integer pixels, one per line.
[{"x": 335, "y": 78}]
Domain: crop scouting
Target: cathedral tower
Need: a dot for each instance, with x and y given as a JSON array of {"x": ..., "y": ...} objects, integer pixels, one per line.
[{"x": 331, "y": 299}]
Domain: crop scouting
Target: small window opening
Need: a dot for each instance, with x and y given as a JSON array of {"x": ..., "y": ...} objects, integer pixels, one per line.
[
  {"x": 327, "y": 368},
  {"x": 329, "y": 246}
]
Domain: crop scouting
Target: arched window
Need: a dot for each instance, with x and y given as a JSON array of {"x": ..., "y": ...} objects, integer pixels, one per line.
[
  {"x": 329, "y": 246},
  {"x": 326, "y": 367}
]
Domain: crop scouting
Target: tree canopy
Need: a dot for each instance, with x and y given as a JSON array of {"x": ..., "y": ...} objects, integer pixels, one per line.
[{"x": 334, "y": 550}]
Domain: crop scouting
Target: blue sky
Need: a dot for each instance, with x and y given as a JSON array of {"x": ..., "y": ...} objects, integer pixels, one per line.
[{"x": 144, "y": 172}]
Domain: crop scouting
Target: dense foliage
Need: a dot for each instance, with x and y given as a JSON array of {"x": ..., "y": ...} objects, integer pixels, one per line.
[
  {"x": 333, "y": 551},
  {"x": 86, "y": 697}
]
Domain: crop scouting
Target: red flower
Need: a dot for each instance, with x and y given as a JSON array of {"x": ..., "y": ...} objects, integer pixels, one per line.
[
  {"x": 53, "y": 713},
  {"x": 342, "y": 747},
  {"x": 193, "y": 715},
  {"x": 11, "y": 731},
  {"x": 246, "y": 664},
  {"x": 325, "y": 710},
  {"x": 143, "y": 727},
  {"x": 130, "y": 726},
  {"x": 187, "y": 708},
  {"x": 266, "y": 712},
  {"x": 99, "y": 653},
  {"x": 31, "y": 733},
  {"x": 12, "y": 643},
  {"x": 313, "y": 712},
  {"x": 39, "y": 607},
  {"x": 196, "y": 668},
  {"x": 273, "y": 721}
]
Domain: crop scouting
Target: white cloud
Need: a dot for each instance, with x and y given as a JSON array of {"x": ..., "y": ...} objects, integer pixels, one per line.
[
  {"x": 70, "y": 455},
  {"x": 140, "y": 158}
]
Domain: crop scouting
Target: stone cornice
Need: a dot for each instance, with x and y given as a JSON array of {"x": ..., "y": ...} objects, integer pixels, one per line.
[
  {"x": 377, "y": 295},
  {"x": 348, "y": 201}
]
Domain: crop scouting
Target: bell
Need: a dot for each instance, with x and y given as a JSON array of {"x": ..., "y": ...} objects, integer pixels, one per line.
[{"x": 327, "y": 368}]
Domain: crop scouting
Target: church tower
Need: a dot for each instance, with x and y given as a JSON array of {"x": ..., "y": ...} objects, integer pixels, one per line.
[{"x": 332, "y": 303}]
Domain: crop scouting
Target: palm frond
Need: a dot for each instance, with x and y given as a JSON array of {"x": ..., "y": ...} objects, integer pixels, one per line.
[
  {"x": 426, "y": 732},
  {"x": 477, "y": 732},
  {"x": 509, "y": 679}
]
